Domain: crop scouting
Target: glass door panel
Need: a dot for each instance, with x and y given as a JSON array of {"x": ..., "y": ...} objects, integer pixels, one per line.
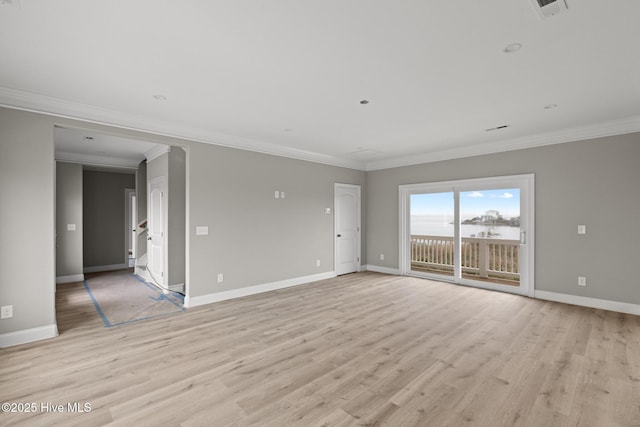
[
  {"x": 490, "y": 235},
  {"x": 432, "y": 233}
]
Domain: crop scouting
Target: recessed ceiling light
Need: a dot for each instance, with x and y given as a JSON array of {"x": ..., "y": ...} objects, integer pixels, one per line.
[
  {"x": 513, "y": 47},
  {"x": 364, "y": 102},
  {"x": 550, "y": 106},
  {"x": 160, "y": 97}
]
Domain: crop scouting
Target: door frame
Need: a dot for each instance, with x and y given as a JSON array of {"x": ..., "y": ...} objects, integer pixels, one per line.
[
  {"x": 129, "y": 198},
  {"x": 335, "y": 223},
  {"x": 527, "y": 201}
]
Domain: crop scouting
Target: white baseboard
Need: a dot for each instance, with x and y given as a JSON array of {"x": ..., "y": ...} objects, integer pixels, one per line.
[
  {"x": 385, "y": 270},
  {"x": 256, "y": 289},
  {"x": 28, "y": 335},
  {"x": 100, "y": 268},
  {"x": 70, "y": 279},
  {"x": 621, "y": 307}
]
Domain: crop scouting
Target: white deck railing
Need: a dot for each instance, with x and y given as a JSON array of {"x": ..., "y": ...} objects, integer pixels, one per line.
[{"x": 482, "y": 257}]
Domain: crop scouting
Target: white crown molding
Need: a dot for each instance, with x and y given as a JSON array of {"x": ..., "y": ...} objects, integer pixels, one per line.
[
  {"x": 61, "y": 108},
  {"x": 20, "y": 100},
  {"x": 156, "y": 152},
  {"x": 93, "y": 160},
  {"x": 616, "y": 127}
]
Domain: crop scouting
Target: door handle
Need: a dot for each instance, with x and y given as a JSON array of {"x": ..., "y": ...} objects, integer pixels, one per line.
[{"x": 339, "y": 235}]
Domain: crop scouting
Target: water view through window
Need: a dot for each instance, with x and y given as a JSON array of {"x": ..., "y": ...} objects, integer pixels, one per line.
[{"x": 489, "y": 231}]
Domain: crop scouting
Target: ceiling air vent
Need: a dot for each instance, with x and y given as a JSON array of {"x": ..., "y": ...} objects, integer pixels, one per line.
[
  {"x": 547, "y": 8},
  {"x": 497, "y": 128}
]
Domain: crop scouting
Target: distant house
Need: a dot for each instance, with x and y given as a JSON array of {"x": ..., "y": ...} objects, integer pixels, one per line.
[{"x": 490, "y": 216}]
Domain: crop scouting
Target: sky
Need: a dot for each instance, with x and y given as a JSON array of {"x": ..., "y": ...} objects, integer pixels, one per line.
[{"x": 472, "y": 203}]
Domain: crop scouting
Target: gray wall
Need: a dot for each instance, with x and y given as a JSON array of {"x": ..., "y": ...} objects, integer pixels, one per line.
[
  {"x": 104, "y": 217},
  {"x": 594, "y": 182},
  {"x": 27, "y": 228},
  {"x": 253, "y": 237},
  {"x": 68, "y": 211},
  {"x": 176, "y": 216}
]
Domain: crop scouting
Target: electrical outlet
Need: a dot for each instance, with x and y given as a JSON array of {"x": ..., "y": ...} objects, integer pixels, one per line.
[
  {"x": 582, "y": 229},
  {"x": 6, "y": 312},
  {"x": 220, "y": 278},
  {"x": 381, "y": 257},
  {"x": 282, "y": 194},
  {"x": 317, "y": 263},
  {"x": 582, "y": 281}
]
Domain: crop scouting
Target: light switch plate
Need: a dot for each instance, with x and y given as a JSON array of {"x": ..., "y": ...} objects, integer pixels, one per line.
[
  {"x": 6, "y": 312},
  {"x": 582, "y": 229},
  {"x": 71, "y": 227},
  {"x": 202, "y": 230}
]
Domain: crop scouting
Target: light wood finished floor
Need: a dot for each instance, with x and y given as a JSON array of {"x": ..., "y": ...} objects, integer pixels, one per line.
[{"x": 360, "y": 350}]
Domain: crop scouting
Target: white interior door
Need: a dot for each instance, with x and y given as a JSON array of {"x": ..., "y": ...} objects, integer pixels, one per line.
[
  {"x": 155, "y": 239},
  {"x": 347, "y": 228}
]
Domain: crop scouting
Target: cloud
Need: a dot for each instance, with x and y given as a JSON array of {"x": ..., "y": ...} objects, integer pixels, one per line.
[
  {"x": 475, "y": 194},
  {"x": 506, "y": 196}
]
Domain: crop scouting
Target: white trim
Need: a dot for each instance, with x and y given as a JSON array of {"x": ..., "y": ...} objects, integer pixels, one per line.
[
  {"x": 255, "y": 289},
  {"x": 617, "y": 306},
  {"x": 28, "y": 335},
  {"x": 187, "y": 221},
  {"x": 156, "y": 151},
  {"x": 95, "y": 160},
  {"x": 384, "y": 270},
  {"x": 128, "y": 226},
  {"x": 99, "y": 268},
  {"x": 26, "y": 101},
  {"x": 69, "y": 279},
  {"x": 599, "y": 130}
]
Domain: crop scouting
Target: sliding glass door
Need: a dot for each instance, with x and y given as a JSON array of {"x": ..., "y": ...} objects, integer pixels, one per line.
[{"x": 475, "y": 232}]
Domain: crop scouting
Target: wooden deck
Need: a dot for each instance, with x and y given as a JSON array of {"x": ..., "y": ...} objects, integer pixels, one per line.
[{"x": 360, "y": 350}]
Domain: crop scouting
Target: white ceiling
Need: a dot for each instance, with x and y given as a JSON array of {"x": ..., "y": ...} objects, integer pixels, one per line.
[
  {"x": 287, "y": 76},
  {"x": 91, "y": 148}
]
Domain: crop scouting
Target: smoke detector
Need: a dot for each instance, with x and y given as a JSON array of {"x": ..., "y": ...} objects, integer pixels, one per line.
[{"x": 548, "y": 8}]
